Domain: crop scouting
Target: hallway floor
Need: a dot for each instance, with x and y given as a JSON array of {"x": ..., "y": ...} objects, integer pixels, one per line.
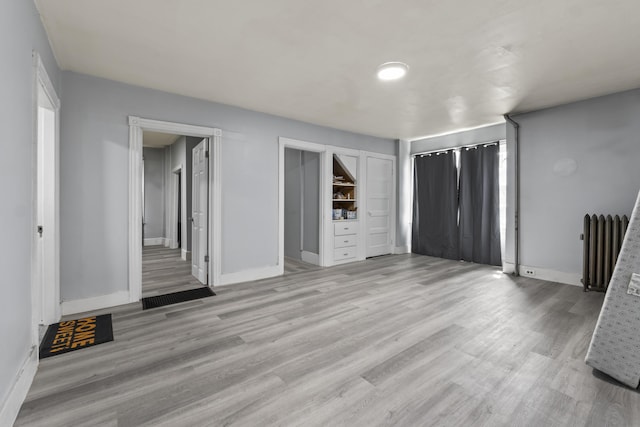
[{"x": 163, "y": 272}]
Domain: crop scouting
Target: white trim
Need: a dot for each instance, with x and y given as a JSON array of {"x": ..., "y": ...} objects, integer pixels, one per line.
[
  {"x": 397, "y": 250},
  {"x": 251, "y": 275},
  {"x": 154, "y": 241},
  {"x": 43, "y": 77},
  {"x": 135, "y": 209},
  {"x": 322, "y": 151},
  {"x": 136, "y": 126},
  {"x": 551, "y": 275},
  {"x": 310, "y": 257},
  {"x": 173, "y": 204},
  {"x": 95, "y": 303},
  {"x": 394, "y": 202},
  {"x": 18, "y": 392},
  {"x": 185, "y": 255},
  {"x": 215, "y": 208}
]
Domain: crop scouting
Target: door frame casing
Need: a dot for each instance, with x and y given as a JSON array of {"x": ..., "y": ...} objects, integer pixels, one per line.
[
  {"x": 176, "y": 172},
  {"x": 45, "y": 303},
  {"x": 321, "y": 149},
  {"x": 392, "y": 226},
  {"x": 136, "y": 126}
]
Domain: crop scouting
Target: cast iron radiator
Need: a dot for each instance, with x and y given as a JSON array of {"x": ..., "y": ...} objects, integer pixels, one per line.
[{"x": 602, "y": 241}]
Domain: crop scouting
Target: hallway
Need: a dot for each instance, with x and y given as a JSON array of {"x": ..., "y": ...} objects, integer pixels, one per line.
[{"x": 163, "y": 272}]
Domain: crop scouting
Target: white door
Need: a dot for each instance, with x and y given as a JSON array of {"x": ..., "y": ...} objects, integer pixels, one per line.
[
  {"x": 46, "y": 293},
  {"x": 200, "y": 217},
  {"x": 379, "y": 204}
]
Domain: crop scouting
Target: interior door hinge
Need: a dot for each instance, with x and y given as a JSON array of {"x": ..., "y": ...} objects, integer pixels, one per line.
[
  {"x": 40, "y": 230},
  {"x": 206, "y": 154},
  {"x": 206, "y": 258}
]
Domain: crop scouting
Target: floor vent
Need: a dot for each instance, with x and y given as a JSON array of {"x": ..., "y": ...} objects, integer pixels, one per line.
[{"x": 176, "y": 297}]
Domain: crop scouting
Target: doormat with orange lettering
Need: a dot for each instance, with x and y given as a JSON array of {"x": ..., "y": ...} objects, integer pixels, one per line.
[{"x": 73, "y": 335}]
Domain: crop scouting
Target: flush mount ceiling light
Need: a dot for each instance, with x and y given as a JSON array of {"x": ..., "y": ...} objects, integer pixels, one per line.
[{"x": 392, "y": 70}]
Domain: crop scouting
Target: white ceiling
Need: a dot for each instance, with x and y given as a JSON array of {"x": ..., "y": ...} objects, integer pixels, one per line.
[
  {"x": 470, "y": 61},
  {"x": 157, "y": 139}
]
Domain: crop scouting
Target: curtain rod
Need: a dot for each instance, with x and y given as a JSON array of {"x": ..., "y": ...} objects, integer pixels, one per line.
[{"x": 459, "y": 147}]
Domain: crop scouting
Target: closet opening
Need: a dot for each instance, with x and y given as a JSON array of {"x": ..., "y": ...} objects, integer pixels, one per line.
[
  {"x": 303, "y": 205},
  {"x": 302, "y": 189}
]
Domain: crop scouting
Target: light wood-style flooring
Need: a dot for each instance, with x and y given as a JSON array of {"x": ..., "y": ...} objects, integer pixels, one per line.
[
  {"x": 164, "y": 271},
  {"x": 292, "y": 265},
  {"x": 402, "y": 340}
]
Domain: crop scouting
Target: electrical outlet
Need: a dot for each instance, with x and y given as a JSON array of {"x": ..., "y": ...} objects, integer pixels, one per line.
[{"x": 529, "y": 272}]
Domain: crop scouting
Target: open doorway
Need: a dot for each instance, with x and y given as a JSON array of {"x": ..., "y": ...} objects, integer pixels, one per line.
[
  {"x": 168, "y": 210},
  {"x": 302, "y": 210},
  {"x": 45, "y": 283},
  {"x": 213, "y": 239},
  {"x": 302, "y": 203}
]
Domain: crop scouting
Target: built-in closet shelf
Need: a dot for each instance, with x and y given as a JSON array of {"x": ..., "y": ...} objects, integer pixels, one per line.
[
  {"x": 344, "y": 201},
  {"x": 344, "y": 190}
]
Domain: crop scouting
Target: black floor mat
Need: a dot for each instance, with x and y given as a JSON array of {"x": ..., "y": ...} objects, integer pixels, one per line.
[
  {"x": 73, "y": 335},
  {"x": 176, "y": 297}
]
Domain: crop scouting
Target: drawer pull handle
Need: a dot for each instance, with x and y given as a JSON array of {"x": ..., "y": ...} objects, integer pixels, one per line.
[
  {"x": 346, "y": 241},
  {"x": 346, "y": 254}
]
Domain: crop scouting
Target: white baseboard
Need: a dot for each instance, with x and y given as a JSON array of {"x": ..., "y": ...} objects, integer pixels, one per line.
[
  {"x": 551, "y": 275},
  {"x": 18, "y": 392},
  {"x": 397, "y": 250},
  {"x": 154, "y": 241},
  {"x": 250, "y": 275},
  {"x": 310, "y": 257},
  {"x": 185, "y": 254},
  {"x": 95, "y": 303},
  {"x": 543, "y": 274}
]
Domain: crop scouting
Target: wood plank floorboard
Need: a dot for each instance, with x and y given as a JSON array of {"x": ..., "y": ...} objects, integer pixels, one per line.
[
  {"x": 403, "y": 340},
  {"x": 164, "y": 272}
]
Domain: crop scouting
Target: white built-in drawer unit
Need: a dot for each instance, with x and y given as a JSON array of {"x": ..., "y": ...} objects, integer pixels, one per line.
[
  {"x": 342, "y": 228},
  {"x": 344, "y": 253},
  {"x": 345, "y": 240}
]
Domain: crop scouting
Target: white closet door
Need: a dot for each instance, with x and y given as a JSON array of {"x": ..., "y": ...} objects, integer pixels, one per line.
[
  {"x": 199, "y": 202},
  {"x": 379, "y": 203}
]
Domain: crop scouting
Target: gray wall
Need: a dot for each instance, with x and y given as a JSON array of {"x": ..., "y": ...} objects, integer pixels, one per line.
[
  {"x": 95, "y": 182},
  {"x": 176, "y": 155},
  {"x": 601, "y": 137},
  {"x": 292, "y": 202},
  {"x": 20, "y": 33},
  {"x": 154, "y": 192},
  {"x": 404, "y": 197},
  {"x": 311, "y": 202},
  {"x": 474, "y": 136}
]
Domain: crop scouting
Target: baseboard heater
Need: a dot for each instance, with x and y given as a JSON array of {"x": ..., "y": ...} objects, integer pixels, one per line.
[{"x": 602, "y": 239}]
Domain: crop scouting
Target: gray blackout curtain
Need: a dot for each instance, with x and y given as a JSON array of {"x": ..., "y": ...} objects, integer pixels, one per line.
[
  {"x": 479, "y": 205},
  {"x": 435, "y": 206}
]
